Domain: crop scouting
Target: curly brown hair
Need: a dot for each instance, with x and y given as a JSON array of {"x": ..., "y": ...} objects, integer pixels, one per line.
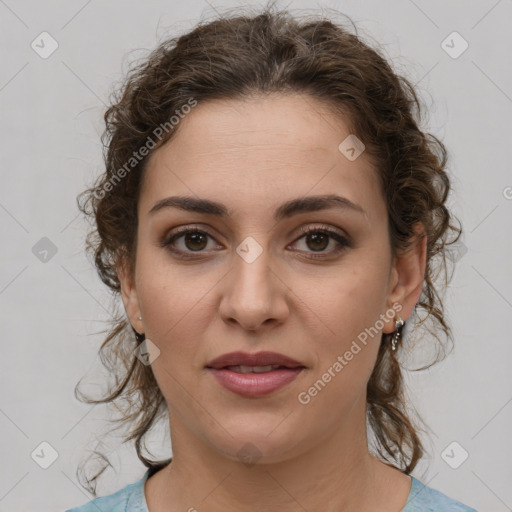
[{"x": 233, "y": 57}]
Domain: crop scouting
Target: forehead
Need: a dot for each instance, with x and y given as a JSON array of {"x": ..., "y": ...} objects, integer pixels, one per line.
[{"x": 264, "y": 149}]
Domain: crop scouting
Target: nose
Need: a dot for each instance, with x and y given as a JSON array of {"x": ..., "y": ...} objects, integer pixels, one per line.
[{"x": 254, "y": 295}]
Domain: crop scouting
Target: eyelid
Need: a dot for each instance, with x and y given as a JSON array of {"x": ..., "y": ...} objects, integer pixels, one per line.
[
  {"x": 323, "y": 227},
  {"x": 190, "y": 227}
]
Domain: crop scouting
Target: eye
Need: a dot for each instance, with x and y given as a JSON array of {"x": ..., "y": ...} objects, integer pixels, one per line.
[
  {"x": 187, "y": 240},
  {"x": 317, "y": 239}
]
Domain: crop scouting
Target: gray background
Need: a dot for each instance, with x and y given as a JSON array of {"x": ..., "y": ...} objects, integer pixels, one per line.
[{"x": 52, "y": 310}]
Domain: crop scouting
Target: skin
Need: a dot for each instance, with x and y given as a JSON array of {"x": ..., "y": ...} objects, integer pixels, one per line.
[{"x": 252, "y": 155}]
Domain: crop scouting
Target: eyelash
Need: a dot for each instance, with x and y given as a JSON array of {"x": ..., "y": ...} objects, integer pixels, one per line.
[{"x": 343, "y": 241}]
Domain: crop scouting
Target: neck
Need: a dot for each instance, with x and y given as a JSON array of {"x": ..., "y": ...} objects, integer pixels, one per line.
[{"x": 336, "y": 474}]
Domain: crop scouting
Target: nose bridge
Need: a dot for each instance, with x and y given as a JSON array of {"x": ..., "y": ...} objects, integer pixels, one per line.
[
  {"x": 252, "y": 294},
  {"x": 252, "y": 276}
]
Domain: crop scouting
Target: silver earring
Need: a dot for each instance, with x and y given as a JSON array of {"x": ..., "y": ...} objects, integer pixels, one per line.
[
  {"x": 140, "y": 318},
  {"x": 399, "y": 324}
]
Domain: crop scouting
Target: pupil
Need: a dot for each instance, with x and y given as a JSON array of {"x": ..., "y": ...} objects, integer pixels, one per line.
[
  {"x": 315, "y": 237},
  {"x": 196, "y": 239}
]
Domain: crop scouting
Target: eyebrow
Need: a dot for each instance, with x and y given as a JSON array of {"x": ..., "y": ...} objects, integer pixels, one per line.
[{"x": 293, "y": 207}]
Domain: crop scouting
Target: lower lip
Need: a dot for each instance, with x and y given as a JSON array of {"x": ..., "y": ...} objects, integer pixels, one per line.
[{"x": 255, "y": 384}]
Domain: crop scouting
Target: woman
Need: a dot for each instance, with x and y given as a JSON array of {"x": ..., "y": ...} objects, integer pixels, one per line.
[{"x": 271, "y": 215}]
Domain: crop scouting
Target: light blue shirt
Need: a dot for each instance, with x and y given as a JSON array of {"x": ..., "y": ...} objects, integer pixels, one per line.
[{"x": 132, "y": 499}]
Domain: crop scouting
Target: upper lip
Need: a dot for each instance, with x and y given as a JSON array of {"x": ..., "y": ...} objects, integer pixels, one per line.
[{"x": 257, "y": 359}]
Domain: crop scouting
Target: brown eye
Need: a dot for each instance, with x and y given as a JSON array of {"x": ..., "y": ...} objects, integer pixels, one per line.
[
  {"x": 187, "y": 241},
  {"x": 317, "y": 241},
  {"x": 195, "y": 241}
]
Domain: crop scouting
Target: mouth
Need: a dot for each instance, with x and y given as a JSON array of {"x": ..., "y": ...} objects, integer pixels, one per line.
[
  {"x": 266, "y": 360},
  {"x": 254, "y": 375},
  {"x": 255, "y": 369}
]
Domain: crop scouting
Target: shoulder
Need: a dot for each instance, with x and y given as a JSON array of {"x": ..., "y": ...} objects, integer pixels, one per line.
[
  {"x": 128, "y": 499},
  {"x": 425, "y": 499}
]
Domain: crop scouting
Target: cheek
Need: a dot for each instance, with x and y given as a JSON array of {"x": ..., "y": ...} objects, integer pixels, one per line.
[
  {"x": 176, "y": 301},
  {"x": 167, "y": 288},
  {"x": 354, "y": 301},
  {"x": 345, "y": 359},
  {"x": 169, "y": 306},
  {"x": 349, "y": 348}
]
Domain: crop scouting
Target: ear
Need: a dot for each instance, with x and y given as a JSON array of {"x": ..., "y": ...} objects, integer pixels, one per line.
[
  {"x": 407, "y": 276},
  {"x": 129, "y": 294}
]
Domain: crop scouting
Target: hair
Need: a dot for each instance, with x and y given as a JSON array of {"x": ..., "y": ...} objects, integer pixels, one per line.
[{"x": 233, "y": 57}]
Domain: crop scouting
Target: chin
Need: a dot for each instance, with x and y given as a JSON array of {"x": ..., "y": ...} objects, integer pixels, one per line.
[{"x": 258, "y": 440}]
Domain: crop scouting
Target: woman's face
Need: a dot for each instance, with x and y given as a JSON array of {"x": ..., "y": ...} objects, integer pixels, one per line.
[{"x": 251, "y": 280}]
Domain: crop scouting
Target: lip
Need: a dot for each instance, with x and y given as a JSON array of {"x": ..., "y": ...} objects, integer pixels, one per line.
[
  {"x": 257, "y": 359},
  {"x": 253, "y": 385}
]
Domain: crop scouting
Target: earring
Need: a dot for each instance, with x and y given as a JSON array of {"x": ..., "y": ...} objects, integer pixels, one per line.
[
  {"x": 139, "y": 336},
  {"x": 399, "y": 324}
]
